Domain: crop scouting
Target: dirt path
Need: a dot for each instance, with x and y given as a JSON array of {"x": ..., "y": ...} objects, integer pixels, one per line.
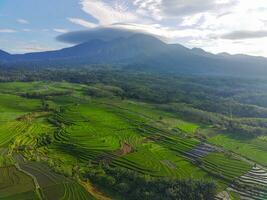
[
  {"x": 36, "y": 184},
  {"x": 93, "y": 191}
]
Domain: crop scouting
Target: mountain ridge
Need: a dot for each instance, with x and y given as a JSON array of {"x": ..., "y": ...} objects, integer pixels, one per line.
[{"x": 147, "y": 51}]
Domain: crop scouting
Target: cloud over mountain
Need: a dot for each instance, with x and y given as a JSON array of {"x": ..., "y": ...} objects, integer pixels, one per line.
[{"x": 100, "y": 33}]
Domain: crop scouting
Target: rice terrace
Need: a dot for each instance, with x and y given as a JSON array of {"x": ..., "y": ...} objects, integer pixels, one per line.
[{"x": 56, "y": 140}]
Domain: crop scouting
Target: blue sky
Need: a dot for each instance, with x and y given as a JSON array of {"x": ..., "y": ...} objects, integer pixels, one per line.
[
  {"x": 32, "y": 25},
  {"x": 234, "y": 26}
]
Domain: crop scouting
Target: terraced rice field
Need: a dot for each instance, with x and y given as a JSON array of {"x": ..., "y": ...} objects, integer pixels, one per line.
[
  {"x": 160, "y": 117},
  {"x": 15, "y": 184},
  {"x": 127, "y": 134},
  {"x": 92, "y": 130},
  {"x": 252, "y": 185},
  {"x": 96, "y": 131},
  {"x": 155, "y": 152},
  {"x": 201, "y": 151},
  {"x": 9, "y": 131},
  {"x": 67, "y": 191},
  {"x": 52, "y": 185},
  {"x": 227, "y": 168},
  {"x": 212, "y": 160},
  {"x": 156, "y": 160},
  {"x": 253, "y": 149}
]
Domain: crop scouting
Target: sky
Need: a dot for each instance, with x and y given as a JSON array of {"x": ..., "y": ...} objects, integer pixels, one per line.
[{"x": 232, "y": 26}]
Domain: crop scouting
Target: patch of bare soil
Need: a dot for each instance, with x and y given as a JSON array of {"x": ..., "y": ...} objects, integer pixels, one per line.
[{"x": 125, "y": 149}]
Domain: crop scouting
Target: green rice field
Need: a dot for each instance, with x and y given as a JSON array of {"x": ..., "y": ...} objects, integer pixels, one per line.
[{"x": 51, "y": 131}]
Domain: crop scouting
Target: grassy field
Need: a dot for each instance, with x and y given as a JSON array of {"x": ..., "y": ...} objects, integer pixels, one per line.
[{"x": 55, "y": 128}]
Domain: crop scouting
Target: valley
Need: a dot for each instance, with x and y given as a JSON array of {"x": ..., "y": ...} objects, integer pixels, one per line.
[{"x": 56, "y": 136}]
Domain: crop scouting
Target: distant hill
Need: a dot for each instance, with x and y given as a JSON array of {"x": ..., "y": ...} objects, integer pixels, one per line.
[
  {"x": 147, "y": 53},
  {"x": 4, "y": 55}
]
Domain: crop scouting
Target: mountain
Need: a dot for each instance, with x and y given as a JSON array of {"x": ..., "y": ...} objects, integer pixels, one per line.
[
  {"x": 120, "y": 50},
  {"x": 145, "y": 53},
  {"x": 4, "y": 55}
]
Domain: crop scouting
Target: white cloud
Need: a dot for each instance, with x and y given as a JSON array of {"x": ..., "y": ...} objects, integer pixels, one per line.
[
  {"x": 82, "y": 22},
  {"x": 193, "y": 20},
  {"x": 189, "y": 7},
  {"x": 107, "y": 13},
  {"x": 7, "y": 31},
  {"x": 149, "y": 8},
  {"x": 22, "y": 21},
  {"x": 173, "y": 9},
  {"x": 60, "y": 30}
]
